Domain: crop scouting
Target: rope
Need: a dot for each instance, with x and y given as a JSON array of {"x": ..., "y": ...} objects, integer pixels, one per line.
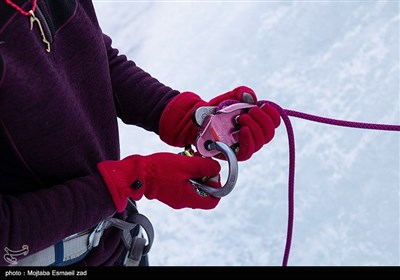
[
  {"x": 284, "y": 113},
  {"x": 375, "y": 126},
  {"x": 289, "y": 130},
  {"x": 285, "y": 117}
]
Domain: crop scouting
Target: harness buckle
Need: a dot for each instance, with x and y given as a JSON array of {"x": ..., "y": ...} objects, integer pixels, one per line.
[{"x": 94, "y": 237}]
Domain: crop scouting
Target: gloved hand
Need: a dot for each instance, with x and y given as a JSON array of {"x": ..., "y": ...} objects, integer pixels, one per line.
[
  {"x": 161, "y": 176},
  {"x": 257, "y": 126}
]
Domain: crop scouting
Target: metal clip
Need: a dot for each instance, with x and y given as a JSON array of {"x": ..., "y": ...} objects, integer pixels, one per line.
[
  {"x": 219, "y": 134},
  {"x": 232, "y": 175},
  {"x": 96, "y": 234}
]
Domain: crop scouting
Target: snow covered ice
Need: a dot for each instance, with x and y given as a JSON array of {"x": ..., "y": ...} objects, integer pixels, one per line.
[{"x": 338, "y": 59}]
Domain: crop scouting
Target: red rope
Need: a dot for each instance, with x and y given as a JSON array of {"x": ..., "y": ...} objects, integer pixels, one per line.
[
  {"x": 285, "y": 116},
  {"x": 284, "y": 113},
  {"x": 19, "y": 9}
]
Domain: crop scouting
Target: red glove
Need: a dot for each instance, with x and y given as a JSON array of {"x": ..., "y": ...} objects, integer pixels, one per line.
[
  {"x": 257, "y": 126},
  {"x": 162, "y": 176}
]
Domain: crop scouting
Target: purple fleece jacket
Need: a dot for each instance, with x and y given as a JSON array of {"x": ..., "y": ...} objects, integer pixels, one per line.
[{"x": 58, "y": 119}]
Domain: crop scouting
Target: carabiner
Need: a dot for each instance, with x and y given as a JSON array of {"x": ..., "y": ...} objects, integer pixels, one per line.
[{"x": 232, "y": 174}]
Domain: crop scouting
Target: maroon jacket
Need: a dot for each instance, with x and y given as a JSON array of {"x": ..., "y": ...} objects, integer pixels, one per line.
[{"x": 58, "y": 119}]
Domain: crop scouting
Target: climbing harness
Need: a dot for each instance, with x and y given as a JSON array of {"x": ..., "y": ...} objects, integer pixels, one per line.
[
  {"x": 219, "y": 133},
  {"x": 75, "y": 247}
]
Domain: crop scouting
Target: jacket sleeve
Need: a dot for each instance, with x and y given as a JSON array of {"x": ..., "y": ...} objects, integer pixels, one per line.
[
  {"x": 139, "y": 97},
  {"x": 34, "y": 219}
]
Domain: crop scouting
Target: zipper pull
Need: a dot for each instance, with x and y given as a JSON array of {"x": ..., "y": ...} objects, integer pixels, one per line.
[{"x": 34, "y": 19}]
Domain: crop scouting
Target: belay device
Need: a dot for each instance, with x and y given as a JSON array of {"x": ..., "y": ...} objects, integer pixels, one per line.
[{"x": 219, "y": 134}]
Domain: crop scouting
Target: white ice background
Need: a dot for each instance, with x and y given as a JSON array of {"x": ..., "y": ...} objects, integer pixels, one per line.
[{"x": 338, "y": 59}]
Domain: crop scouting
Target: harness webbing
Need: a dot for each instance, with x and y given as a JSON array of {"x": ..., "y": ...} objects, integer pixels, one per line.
[{"x": 75, "y": 247}]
